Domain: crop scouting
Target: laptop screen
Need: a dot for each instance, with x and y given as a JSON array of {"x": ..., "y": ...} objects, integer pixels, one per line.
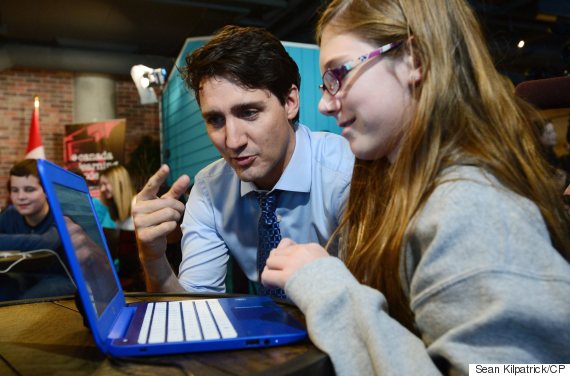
[{"x": 88, "y": 246}]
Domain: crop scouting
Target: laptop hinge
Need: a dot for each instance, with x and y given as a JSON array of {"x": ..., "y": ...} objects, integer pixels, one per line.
[{"x": 122, "y": 323}]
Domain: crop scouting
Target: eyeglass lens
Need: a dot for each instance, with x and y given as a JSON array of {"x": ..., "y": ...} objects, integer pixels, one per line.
[{"x": 331, "y": 82}]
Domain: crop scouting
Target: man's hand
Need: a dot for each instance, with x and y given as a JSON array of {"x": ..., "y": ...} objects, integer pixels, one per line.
[{"x": 155, "y": 217}]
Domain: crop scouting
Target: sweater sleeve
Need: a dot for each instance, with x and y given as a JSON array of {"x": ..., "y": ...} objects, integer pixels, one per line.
[
  {"x": 29, "y": 242},
  {"x": 349, "y": 322}
]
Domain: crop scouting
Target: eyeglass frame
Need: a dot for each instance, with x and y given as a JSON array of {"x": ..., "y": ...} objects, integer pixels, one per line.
[{"x": 340, "y": 72}]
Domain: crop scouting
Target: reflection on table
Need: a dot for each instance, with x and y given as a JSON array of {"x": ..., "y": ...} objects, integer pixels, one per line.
[{"x": 46, "y": 337}]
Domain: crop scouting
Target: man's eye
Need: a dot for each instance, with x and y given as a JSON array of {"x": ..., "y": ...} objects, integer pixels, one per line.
[
  {"x": 215, "y": 121},
  {"x": 249, "y": 113},
  {"x": 29, "y": 189}
]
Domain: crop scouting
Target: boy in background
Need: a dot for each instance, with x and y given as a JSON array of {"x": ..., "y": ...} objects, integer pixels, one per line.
[{"x": 27, "y": 225}]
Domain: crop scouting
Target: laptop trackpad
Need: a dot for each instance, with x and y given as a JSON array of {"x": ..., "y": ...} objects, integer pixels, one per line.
[{"x": 255, "y": 313}]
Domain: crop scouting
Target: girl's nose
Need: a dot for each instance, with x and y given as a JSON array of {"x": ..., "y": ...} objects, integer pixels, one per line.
[{"x": 328, "y": 105}]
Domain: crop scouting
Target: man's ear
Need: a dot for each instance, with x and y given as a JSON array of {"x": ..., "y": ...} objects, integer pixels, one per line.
[{"x": 292, "y": 102}]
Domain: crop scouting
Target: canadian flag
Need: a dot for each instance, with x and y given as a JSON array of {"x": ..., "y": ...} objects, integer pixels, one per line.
[{"x": 35, "y": 148}]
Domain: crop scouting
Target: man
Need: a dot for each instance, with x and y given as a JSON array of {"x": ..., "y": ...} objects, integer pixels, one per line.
[
  {"x": 247, "y": 87},
  {"x": 27, "y": 225}
]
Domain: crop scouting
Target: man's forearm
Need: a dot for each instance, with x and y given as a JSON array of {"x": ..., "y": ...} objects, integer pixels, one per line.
[{"x": 159, "y": 276}]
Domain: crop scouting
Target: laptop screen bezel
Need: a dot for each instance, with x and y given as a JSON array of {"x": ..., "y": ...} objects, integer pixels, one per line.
[{"x": 51, "y": 174}]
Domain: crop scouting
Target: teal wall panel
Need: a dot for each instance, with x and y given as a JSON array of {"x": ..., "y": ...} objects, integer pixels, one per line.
[{"x": 186, "y": 147}]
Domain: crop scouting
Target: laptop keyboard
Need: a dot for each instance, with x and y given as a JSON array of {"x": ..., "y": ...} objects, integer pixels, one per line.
[{"x": 187, "y": 320}]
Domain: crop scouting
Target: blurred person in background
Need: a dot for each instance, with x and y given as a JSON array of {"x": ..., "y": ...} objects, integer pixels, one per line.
[
  {"x": 565, "y": 159},
  {"x": 548, "y": 139},
  {"x": 117, "y": 193},
  {"x": 101, "y": 209},
  {"x": 27, "y": 225}
]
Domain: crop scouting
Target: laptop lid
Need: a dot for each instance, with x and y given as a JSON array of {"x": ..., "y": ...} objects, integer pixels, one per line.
[
  {"x": 258, "y": 321},
  {"x": 97, "y": 283}
]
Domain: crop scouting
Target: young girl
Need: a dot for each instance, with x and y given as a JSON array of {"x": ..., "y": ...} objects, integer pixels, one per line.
[
  {"x": 455, "y": 239},
  {"x": 117, "y": 193}
]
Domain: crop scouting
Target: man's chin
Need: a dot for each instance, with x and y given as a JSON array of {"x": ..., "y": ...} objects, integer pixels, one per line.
[{"x": 246, "y": 178}]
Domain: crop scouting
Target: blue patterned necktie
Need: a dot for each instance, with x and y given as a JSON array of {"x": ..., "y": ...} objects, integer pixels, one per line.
[{"x": 269, "y": 237}]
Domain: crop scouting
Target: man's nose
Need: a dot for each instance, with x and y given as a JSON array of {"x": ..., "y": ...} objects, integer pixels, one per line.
[{"x": 236, "y": 136}]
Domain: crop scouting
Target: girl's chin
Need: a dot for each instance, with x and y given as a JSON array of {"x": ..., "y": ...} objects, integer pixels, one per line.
[
  {"x": 364, "y": 152},
  {"x": 365, "y": 155}
]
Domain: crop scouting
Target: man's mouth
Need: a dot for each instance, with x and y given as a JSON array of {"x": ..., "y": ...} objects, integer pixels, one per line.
[{"x": 244, "y": 161}]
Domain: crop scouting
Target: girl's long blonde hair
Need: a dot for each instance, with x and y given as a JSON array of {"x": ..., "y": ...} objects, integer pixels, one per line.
[
  {"x": 123, "y": 192},
  {"x": 466, "y": 113}
]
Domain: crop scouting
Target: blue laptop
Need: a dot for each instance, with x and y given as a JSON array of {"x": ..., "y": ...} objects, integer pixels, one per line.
[{"x": 147, "y": 328}]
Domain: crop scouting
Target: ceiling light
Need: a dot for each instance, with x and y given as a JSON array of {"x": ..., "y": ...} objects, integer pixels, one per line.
[{"x": 520, "y": 44}]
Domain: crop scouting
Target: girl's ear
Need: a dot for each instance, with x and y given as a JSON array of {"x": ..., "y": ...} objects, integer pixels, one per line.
[
  {"x": 416, "y": 75},
  {"x": 413, "y": 61}
]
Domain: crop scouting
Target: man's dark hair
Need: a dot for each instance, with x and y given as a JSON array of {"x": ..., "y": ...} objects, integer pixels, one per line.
[
  {"x": 250, "y": 57},
  {"x": 24, "y": 168}
]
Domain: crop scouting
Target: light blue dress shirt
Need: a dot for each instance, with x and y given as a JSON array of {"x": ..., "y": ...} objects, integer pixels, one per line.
[{"x": 222, "y": 211}]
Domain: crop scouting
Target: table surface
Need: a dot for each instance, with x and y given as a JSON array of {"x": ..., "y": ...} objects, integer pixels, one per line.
[{"x": 47, "y": 337}]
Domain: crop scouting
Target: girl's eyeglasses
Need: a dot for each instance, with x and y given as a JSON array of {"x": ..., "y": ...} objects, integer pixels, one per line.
[{"x": 332, "y": 78}]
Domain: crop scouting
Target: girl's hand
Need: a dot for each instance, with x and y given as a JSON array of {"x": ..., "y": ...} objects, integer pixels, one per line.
[{"x": 286, "y": 259}]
